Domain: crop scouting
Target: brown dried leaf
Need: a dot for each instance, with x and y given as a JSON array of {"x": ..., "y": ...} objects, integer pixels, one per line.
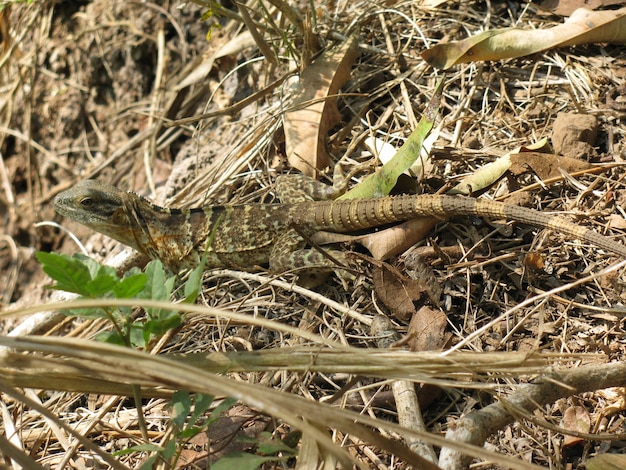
[
  {"x": 584, "y": 26},
  {"x": 575, "y": 418},
  {"x": 427, "y": 330},
  {"x": 315, "y": 107},
  {"x": 607, "y": 462},
  {"x": 535, "y": 261},
  {"x": 398, "y": 292},
  {"x": 567, "y": 7},
  {"x": 397, "y": 239},
  {"x": 617, "y": 221},
  {"x": 616, "y": 397}
]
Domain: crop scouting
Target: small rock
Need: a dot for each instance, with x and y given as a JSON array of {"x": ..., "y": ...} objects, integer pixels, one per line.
[{"x": 574, "y": 135}]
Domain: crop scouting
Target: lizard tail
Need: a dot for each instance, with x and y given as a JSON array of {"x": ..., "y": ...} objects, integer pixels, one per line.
[{"x": 345, "y": 216}]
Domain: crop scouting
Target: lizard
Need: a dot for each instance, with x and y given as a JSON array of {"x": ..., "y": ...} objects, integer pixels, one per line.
[{"x": 249, "y": 235}]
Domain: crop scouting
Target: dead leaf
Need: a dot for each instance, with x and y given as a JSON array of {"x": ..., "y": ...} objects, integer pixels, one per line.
[
  {"x": 616, "y": 397},
  {"x": 427, "y": 330},
  {"x": 214, "y": 52},
  {"x": 617, "y": 221},
  {"x": 535, "y": 261},
  {"x": 606, "y": 462},
  {"x": 567, "y": 7},
  {"x": 583, "y": 27},
  {"x": 575, "y": 418},
  {"x": 315, "y": 107},
  {"x": 490, "y": 173},
  {"x": 230, "y": 433},
  {"x": 426, "y": 4},
  {"x": 397, "y": 239},
  {"x": 385, "y": 243},
  {"x": 398, "y": 292}
]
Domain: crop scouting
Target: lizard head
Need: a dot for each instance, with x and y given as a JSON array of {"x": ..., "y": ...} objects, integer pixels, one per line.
[{"x": 100, "y": 207}]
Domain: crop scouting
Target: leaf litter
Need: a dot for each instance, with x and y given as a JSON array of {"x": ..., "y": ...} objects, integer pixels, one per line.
[{"x": 94, "y": 117}]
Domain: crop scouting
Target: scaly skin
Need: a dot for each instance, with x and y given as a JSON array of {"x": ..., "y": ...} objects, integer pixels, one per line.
[{"x": 255, "y": 234}]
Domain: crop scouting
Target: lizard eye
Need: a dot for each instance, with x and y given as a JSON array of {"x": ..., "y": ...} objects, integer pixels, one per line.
[{"x": 86, "y": 202}]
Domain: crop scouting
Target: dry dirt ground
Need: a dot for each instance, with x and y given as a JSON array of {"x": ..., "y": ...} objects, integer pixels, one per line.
[{"x": 89, "y": 91}]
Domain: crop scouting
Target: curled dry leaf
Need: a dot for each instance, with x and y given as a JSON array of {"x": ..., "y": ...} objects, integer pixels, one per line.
[
  {"x": 315, "y": 107},
  {"x": 396, "y": 239},
  {"x": 490, "y": 173},
  {"x": 584, "y": 26}
]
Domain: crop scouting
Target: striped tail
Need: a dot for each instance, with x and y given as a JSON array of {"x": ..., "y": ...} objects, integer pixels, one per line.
[{"x": 351, "y": 215}]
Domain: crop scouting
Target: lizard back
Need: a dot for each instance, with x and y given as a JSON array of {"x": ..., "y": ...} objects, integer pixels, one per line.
[{"x": 249, "y": 235}]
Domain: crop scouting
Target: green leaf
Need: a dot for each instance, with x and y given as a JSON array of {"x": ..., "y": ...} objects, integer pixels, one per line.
[
  {"x": 78, "y": 274},
  {"x": 136, "y": 337},
  {"x": 203, "y": 403},
  {"x": 130, "y": 286},
  {"x": 70, "y": 274},
  {"x": 158, "y": 327},
  {"x": 190, "y": 432},
  {"x": 88, "y": 312},
  {"x": 139, "y": 448},
  {"x": 96, "y": 269},
  {"x": 181, "y": 407},
  {"x": 382, "y": 182},
  {"x": 241, "y": 461},
  {"x": 157, "y": 287},
  {"x": 194, "y": 283},
  {"x": 111, "y": 337},
  {"x": 269, "y": 446},
  {"x": 102, "y": 284},
  {"x": 170, "y": 449},
  {"x": 149, "y": 463}
]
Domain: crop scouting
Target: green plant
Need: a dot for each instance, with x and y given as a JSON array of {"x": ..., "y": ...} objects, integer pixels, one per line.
[{"x": 87, "y": 278}]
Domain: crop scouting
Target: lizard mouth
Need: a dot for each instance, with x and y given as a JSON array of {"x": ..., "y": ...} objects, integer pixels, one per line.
[
  {"x": 62, "y": 207},
  {"x": 66, "y": 208}
]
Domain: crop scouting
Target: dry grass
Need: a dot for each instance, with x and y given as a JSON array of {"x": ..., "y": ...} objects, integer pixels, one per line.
[{"x": 308, "y": 358}]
